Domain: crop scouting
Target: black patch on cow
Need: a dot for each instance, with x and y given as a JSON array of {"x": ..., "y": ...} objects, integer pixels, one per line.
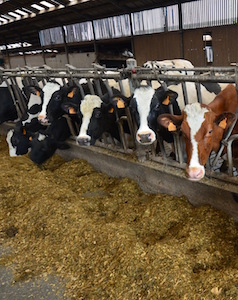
[
  {"x": 212, "y": 87},
  {"x": 36, "y": 108},
  {"x": 55, "y": 136},
  {"x": 8, "y": 110}
]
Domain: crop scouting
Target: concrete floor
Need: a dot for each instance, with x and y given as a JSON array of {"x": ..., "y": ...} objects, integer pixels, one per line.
[{"x": 49, "y": 288}]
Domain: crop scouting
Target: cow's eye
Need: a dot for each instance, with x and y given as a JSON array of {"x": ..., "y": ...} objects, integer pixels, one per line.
[
  {"x": 157, "y": 106},
  {"x": 210, "y": 131},
  {"x": 57, "y": 98},
  {"x": 98, "y": 114}
]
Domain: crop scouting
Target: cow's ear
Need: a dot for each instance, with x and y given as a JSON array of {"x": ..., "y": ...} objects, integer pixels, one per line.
[
  {"x": 36, "y": 90},
  {"x": 107, "y": 108},
  {"x": 72, "y": 92},
  {"x": 171, "y": 122},
  {"x": 119, "y": 102},
  {"x": 70, "y": 108},
  {"x": 170, "y": 96},
  {"x": 225, "y": 120}
]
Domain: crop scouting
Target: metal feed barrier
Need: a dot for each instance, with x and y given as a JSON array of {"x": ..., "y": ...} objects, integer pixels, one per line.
[{"x": 17, "y": 78}]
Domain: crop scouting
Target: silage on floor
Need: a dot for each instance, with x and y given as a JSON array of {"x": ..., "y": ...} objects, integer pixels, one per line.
[{"x": 107, "y": 239}]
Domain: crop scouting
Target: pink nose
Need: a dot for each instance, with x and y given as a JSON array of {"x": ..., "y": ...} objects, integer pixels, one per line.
[
  {"x": 42, "y": 119},
  {"x": 145, "y": 137},
  {"x": 194, "y": 174}
]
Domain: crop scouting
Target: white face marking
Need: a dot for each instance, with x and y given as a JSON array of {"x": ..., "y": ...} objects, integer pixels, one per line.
[
  {"x": 143, "y": 98},
  {"x": 12, "y": 150},
  {"x": 195, "y": 118},
  {"x": 29, "y": 119},
  {"x": 34, "y": 99},
  {"x": 41, "y": 137},
  {"x": 86, "y": 107},
  {"x": 48, "y": 90}
]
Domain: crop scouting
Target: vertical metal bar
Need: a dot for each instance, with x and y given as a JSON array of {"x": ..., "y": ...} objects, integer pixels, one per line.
[
  {"x": 90, "y": 85},
  {"x": 185, "y": 94},
  {"x": 19, "y": 112},
  {"x": 132, "y": 37},
  {"x": 198, "y": 90},
  {"x": 65, "y": 44},
  {"x": 181, "y": 29},
  {"x": 95, "y": 43}
]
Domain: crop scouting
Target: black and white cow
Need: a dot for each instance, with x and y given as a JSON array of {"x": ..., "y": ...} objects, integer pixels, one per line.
[
  {"x": 8, "y": 111},
  {"x": 208, "y": 90},
  {"x": 55, "y": 95},
  {"x": 44, "y": 144},
  {"x": 177, "y": 63},
  {"x": 146, "y": 105},
  {"x": 55, "y": 106},
  {"x": 18, "y": 139},
  {"x": 49, "y": 91},
  {"x": 100, "y": 115}
]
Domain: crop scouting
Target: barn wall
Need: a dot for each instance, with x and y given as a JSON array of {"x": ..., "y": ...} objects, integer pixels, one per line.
[
  {"x": 167, "y": 46},
  {"x": 82, "y": 60},
  {"x": 16, "y": 61},
  {"x": 193, "y": 47},
  {"x": 224, "y": 51},
  {"x": 79, "y": 60},
  {"x": 225, "y": 44},
  {"x": 34, "y": 60},
  {"x": 157, "y": 46}
]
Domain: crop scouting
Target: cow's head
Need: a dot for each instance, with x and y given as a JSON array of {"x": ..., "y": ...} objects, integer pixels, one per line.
[
  {"x": 42, "y": 148},
  {"x": 97, "y": 117},
  {"x": 146, "y": 105},
  {"x": 45, "y": 143},
  {"x": 18, "y": 142},
  {"x": 54, "y": 109},
  {"x": 202, "y": 131},
  {"x": 49, "y": 91}
]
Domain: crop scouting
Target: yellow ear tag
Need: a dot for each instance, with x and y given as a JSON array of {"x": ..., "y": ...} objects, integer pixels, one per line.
[
  {"x": 72, "y": 111},
  {"x": 171, "y": 127},
  {"x": 71, "y": 94},
  {"x": 223, "y": 123},
  {"x": 24, "y": 131},
  {"x": 166, "y": 101},
  {"x": 38, "y": 93},
  {"x": 111, "y": 110},
  {"x": 30, "y": 138},
  {"x": 120, "y": 103}
]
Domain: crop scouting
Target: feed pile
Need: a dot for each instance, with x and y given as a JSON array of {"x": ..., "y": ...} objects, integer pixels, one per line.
[{"x": 107, "y": 239}]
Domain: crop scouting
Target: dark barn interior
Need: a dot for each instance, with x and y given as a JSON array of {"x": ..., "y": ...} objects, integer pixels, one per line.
[{"x": 182, "y": 43}]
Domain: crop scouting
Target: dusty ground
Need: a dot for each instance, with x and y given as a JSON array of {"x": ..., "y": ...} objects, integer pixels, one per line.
[{"x": 107, "y": 239}]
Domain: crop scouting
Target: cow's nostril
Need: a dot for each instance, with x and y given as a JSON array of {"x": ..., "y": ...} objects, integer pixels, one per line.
[
  {"x": 145, "y": 138},
  {"x": 195, "y": 174},
  {"x": 83, "y": 141}
]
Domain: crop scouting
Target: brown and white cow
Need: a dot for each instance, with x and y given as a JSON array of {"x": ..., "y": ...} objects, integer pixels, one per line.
[{"x": 203, "y": 127}]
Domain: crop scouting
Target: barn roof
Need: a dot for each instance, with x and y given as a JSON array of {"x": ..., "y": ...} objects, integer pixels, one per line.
[{"x": 21, "y": 20}]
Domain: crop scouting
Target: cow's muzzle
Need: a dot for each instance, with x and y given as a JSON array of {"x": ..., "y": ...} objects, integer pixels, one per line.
[
  {"x": 145, "y": 138},
  {"x": 83, "y": 141},
  {"x": 43, "y": 121},
  {"x": 195, "y": 173}
]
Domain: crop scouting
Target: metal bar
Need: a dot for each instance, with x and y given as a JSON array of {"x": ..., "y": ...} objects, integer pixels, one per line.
[{"x": 229, "y": 153}]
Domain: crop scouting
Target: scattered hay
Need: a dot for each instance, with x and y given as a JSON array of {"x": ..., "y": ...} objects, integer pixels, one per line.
[{"x": 107, "y": 239}]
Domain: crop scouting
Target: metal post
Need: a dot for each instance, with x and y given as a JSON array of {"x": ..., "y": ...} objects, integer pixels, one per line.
[
  {"x": 181, "y": 29},
  {"x": 65, "y": 44}
]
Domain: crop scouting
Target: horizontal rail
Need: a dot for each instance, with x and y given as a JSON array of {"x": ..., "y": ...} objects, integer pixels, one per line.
[{"x": 134, "y": 77}]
